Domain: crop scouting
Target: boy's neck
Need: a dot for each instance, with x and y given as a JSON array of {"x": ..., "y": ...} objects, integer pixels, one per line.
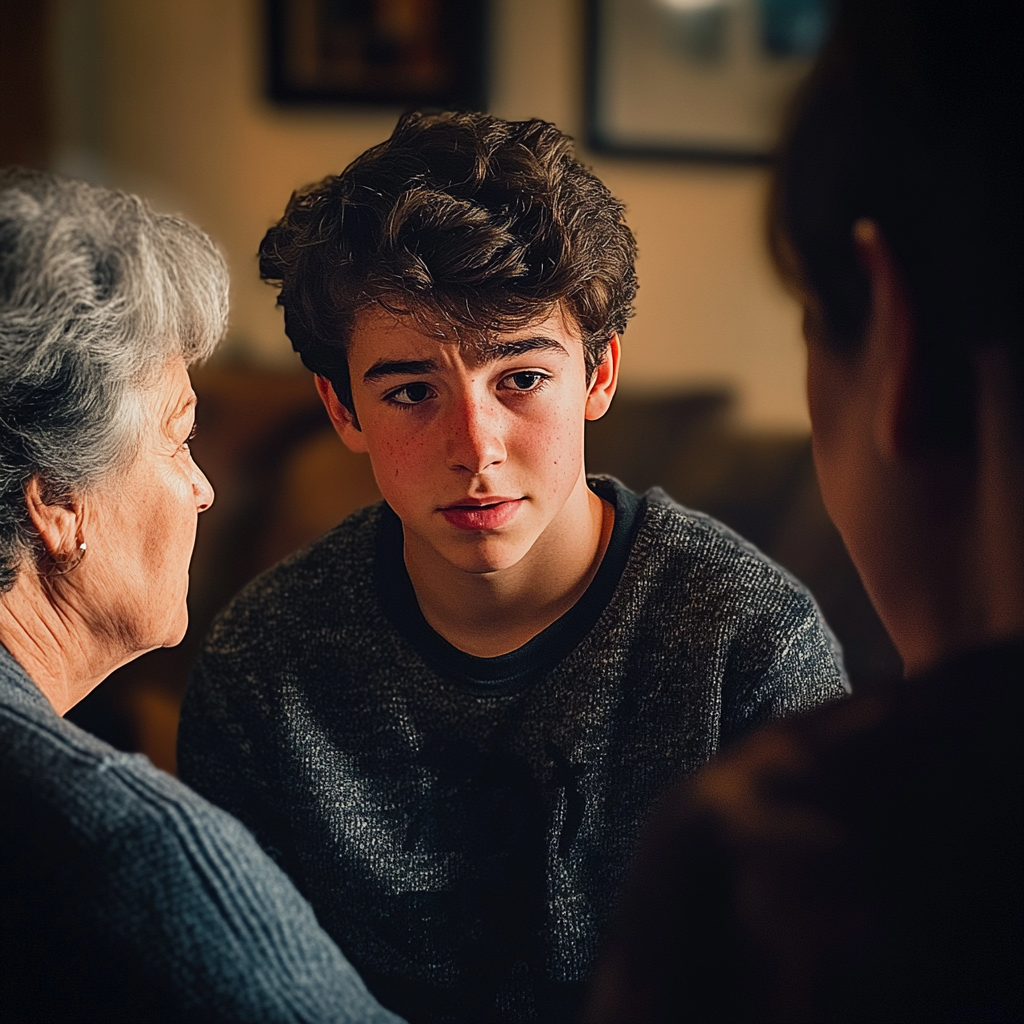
[{"x": 489, "y": 614}]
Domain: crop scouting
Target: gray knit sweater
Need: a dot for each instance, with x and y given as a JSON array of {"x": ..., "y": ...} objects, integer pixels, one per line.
[
  {"x": 461, "y": 825},
  {"x": 125, "y": 897}
]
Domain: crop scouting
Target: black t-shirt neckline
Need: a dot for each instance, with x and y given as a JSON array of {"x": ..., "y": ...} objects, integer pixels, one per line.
[{"x": 518, "y": 669}]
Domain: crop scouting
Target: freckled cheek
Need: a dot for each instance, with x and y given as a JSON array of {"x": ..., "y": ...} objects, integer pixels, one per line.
[
  {"x": 554, "y": 450},
  {"x": 400, "y": 456},
  {"x": 403, "y": 467}
]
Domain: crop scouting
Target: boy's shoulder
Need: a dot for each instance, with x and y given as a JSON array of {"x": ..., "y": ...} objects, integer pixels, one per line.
[
  {"x": 691, "y": 547},
  {"x": 696, "y": 570}
]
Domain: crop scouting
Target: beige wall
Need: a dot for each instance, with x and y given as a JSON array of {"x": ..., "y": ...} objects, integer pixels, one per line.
[{"x": 167, "y": 99}]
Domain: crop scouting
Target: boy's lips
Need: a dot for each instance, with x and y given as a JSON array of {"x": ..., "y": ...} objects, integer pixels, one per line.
[{"x": 481, "y": 513}]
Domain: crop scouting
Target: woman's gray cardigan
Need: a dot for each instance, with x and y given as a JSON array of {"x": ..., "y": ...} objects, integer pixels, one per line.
[{"x": 127, "y": 897}]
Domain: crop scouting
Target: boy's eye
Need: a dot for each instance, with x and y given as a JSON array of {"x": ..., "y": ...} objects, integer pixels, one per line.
[
  {"x": 411, "y": 394},
  {"x": 524, "y": 380}
]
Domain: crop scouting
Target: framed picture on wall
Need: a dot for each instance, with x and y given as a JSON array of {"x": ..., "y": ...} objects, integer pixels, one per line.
[
  {"x": 704, "y": 79},
  {"x": 400, "y": 53}
]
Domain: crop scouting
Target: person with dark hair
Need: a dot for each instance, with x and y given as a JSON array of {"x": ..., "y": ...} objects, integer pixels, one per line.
[
  {"x": 124, "y": 895},
  {"x": 864, "y": 862},
  {"x": 448, "y": 716}
]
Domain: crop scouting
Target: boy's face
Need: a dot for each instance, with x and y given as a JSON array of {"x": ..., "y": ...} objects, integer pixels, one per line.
[{"x": 477, "y": 451}]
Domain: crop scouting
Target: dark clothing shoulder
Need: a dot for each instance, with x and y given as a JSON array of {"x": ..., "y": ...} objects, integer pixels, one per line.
[
  {"x": 862, "y": 862},
  {"x": 460, "y": 824},
  {"x": 126, "y": 897}
]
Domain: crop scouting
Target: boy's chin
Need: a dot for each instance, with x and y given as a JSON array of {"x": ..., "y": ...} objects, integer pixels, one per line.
[{"x": 487, "y": 555}]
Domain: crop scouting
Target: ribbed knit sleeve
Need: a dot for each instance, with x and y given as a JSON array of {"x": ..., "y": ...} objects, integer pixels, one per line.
[{"x": 128, "y": 897}]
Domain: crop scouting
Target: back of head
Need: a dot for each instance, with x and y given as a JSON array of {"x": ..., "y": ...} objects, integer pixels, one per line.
[
  {"x": 469, "y": 223},
  {"x": 914, "y": 118},
  {"x": 97, "y": 293}
]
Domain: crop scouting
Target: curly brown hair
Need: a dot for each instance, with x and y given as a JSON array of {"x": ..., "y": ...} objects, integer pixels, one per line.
[{"x": 468, "y": 223}]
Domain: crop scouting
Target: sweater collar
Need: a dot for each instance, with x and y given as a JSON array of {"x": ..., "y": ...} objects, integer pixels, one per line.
[{"x": 16, "y": 682}]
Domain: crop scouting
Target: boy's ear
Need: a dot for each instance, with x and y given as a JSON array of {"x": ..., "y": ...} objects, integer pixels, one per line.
[
  {"x": 604, "y": 381},
  {"x": 58, "y": 526},
  {"x": 345, "y": 423}
]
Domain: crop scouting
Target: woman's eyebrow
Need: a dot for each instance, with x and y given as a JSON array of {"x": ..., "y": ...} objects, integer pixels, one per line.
[
  {"x": 187, "y": 406},
  {"x": 398, "y": 367}
]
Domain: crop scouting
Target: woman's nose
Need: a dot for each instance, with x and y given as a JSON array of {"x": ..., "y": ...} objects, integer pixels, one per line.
[{"x": 202, "y": 489}]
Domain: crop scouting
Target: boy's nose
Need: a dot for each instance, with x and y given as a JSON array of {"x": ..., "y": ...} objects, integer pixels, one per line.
[{"x": 475, "y": 440}]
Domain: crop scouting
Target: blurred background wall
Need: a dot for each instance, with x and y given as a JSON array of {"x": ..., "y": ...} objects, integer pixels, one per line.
[{"x": 168, "y": 100}]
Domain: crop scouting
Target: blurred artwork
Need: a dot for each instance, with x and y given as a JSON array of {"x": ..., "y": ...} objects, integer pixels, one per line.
[
  {"x": 700, "y": 78},
  {"x": 792, "y": 28},
  {"x": 404, "y": 53}
]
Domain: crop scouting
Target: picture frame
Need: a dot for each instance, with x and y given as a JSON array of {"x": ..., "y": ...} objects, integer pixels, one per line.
[
  {"x": 696, "y": 79},
  {"x": 409, "y": 54}
]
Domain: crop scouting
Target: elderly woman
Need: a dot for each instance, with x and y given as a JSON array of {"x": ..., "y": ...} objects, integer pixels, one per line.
[{"x": 125, "y": 896}]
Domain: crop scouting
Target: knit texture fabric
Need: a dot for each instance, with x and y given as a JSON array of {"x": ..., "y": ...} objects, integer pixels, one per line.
[
  {"x": 462, "y": 832},
  {"x": 126, "y": 897}
]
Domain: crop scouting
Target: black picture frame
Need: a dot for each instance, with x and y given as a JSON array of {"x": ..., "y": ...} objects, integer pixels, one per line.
[
  {"x": 422, "y": 55},
  {"x": 699, "y": 80}
]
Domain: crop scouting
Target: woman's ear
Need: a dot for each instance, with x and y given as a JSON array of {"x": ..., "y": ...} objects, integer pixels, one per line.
[
  {"x": 343, "y": 419},
  {"x": 604, "y": 381},
  {"x": 58, "y": 525}
]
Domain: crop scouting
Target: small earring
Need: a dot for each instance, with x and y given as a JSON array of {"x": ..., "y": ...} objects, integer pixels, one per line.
[{"x": 74, "y": 565}]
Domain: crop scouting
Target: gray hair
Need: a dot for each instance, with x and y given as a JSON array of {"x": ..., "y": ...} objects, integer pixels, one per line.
[{"x": 97, "y": 293}]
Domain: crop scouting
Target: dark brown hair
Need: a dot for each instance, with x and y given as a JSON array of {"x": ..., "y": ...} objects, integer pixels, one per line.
[
  {"x": 913, "y": 116},
  {"x": 469, "y": 223}
]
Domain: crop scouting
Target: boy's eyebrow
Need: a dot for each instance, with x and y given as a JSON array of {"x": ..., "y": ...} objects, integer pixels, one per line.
[
  {"x": 398, "y": 367},
  {"x": 506, "y": 349},
  {"x": 495, "y": 350}
]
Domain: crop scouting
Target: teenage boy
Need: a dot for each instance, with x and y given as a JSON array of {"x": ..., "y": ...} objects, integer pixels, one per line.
[
  {"x": 447, "y": 717},
  {"x": 864, "y": 863}
]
